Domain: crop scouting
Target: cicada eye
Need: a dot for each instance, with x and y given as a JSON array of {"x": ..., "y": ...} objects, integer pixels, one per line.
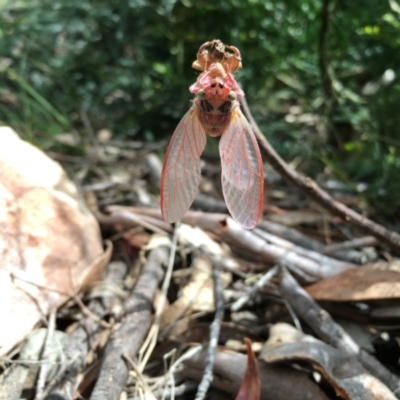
[
  {"x": 206, "y": 106},
  {"x": 232, "y": 95},
  {"x": 225, "y": 107},
  {"x": 201, "y": 94}
]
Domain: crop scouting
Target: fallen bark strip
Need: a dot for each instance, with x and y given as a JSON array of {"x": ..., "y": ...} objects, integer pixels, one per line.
[
  {"x": 311, "y": 189},
  {"x": 329, "y": 331},
  {"x": 129, "y": 334},
  {"x": 277, "y": 382}
]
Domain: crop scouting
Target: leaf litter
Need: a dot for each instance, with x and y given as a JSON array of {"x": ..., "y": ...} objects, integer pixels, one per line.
[{"x": 142, "y": 330}]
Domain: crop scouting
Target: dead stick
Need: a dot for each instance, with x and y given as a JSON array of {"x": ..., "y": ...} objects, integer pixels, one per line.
[
  {"x": 215, "y": 329},
  {"x": 132, "y": 329},
  {"x": 311, "y": 189},
  {"x": 82, "y": 338},
  {"x": 350, "y": 244}
]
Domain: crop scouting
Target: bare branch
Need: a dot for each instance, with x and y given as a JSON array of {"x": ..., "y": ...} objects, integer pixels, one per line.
[{"x": 311, "y": 189}]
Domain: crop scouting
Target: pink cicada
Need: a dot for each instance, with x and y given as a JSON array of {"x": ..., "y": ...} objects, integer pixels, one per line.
[{"x": 215, "y": 112}]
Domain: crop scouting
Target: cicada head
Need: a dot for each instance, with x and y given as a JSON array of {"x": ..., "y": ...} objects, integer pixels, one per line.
[
  {"x": 216, "y": 52},
  {"x": 234, "y": 60},
  {"x": 217, "y": 83}
]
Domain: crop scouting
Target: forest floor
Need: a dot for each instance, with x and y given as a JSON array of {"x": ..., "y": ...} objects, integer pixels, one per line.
[{"x": 315, "y": 292}]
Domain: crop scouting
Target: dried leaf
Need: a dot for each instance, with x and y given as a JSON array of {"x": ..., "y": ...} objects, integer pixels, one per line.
[
  {"x": 370, "y": 282},
  {"x": 344, "y": 372},
  {"x": 250, "y": 387}
]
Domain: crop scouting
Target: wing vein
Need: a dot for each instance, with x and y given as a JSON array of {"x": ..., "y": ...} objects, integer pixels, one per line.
[
  {"x": 242, "y": 171},
  {"x": 181, "y": 169}
]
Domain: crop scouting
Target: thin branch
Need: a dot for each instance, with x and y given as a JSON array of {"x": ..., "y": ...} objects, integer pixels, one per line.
[
  {"x": 239, "y": 303},
  {"x": 311, "y": 189},
  {"x": 151, "y": 340},
  {"x": 366, "y": 241},
  {"x": 214, "y": 335},
  {"x": 128, "y": 335},
  {"x": 141, "y": 380},
  {"x": 323, "y": 51},
  {"x": 44, "y": 368}
]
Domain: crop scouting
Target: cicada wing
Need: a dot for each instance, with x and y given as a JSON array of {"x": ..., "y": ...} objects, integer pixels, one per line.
[
  {"x": 242, "y": 171},
  {"x": 181, "y": 169}
]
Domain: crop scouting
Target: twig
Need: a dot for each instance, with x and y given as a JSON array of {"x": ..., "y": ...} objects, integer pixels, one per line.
[
  {"x": 235, "y": 235},
  {"x": 299, "y": 238},
  {"x": 214, "y": 335},
  {"x": 311, "y": 189},
  {"x": 296, "y": 321},
  {"x": 89, "y": 130},
  {"x": 184, "y": 388},
  {"x": 151, "y": 339},
  {"x": 118, "y": 214},
  {"x": 170, "y": 390},
  {"x": 147, "y": 391},
  {"x": 323, "y": 51},
  {"x": 44, "y": 368},
  {"x": 82, "y": 337},
  {"x": 167, "y": 384},
  {"x": 73, "y": 296},
  {"x": 312, "y": 255},
  {"x": 239, "y": 303},
  {"x": 330, "y": 99},
  {"x": 366, "y": 241},
  {"x": 12, "y": 380},
  {"x": 130, "y": 332}
]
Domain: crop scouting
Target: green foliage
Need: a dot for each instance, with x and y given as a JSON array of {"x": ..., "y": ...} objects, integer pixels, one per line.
[{"x": 126, "y": 64}]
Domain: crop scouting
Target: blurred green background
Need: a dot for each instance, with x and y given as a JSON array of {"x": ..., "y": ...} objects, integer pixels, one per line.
[{"x": 321, "y": 76}]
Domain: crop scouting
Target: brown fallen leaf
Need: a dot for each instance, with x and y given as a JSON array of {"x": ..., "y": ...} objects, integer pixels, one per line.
[
  {"x": 250, "y": 387},
  {"x": 341, "y": 370},
  {"x": 49, "y": 242},
  {"x": 376, "y": 281},
  {"x": 329, "y": 330}
]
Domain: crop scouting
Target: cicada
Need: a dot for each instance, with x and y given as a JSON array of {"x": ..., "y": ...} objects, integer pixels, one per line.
[{"x": 215, "y": 111}]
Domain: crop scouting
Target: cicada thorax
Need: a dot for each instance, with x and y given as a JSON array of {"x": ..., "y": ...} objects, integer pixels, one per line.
[
  {"x": 214, "y": 114},
  {"x": 216, "y": 93}
]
